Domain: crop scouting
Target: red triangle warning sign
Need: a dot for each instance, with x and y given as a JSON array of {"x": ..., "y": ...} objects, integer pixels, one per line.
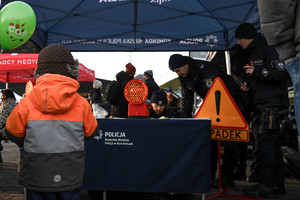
[{"x": 219, "y": 105}]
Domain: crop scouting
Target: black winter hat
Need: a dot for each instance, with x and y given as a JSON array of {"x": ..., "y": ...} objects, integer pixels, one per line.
[
  {"x": 8, "y": 93},
  {"x": 177, "y": 61},
  {"x": 245, "y": 31},
  {"x": 159, "y": 97},
  {"x": 56, "y": 59},
  {"x": 148, "y": 73}
]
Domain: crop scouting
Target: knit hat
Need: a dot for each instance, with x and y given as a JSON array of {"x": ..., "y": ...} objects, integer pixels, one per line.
[
  {"x": 159, "y": 97},
  {"x": 177, "y": 61},
  {"x": 245, "y": 31},
  {"x": 169, "y": 89},
  {"x": 148, "y": 73},
  {"x": 56, "y": 59},
  {"x": 97, "y": 84},
  {"x": 130, "y": 69}
]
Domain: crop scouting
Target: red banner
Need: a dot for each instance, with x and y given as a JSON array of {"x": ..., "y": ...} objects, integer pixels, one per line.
[{"x": 19, "y": 68}]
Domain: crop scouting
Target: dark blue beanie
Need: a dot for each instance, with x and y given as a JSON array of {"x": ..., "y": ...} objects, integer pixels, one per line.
[{"x": 159, "y": 97}]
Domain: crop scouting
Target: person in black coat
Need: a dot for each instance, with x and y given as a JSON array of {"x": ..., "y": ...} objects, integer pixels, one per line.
[
  {"x": 121, "y": 108},
  {"x": 96, "y": 94},
  {"x": 266, "y": 77},
  {"x": 159, "y": 108},
  {"x": 196, "y": 76},
  {"x": 8, "y": 103},
  {"x": 149, "y": 80}
]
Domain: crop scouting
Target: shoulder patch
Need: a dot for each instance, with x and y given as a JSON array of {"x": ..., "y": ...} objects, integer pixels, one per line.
[
  {"x": 208, "y": 81},
  {"x": 278, "y": 64},
  {"x": 265, "y": 72}
]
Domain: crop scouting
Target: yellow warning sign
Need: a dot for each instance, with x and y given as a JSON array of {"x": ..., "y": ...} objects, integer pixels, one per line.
[{"x": 227, "y": 121}]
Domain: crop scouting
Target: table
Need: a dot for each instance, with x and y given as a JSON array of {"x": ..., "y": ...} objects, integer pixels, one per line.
[{"x": 149, "y": 155}]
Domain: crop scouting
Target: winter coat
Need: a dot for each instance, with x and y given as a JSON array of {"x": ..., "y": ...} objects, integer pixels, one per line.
[
  {"x": 152, "y": 87},
  {"x": 199, "y": 79},
  {"x": 96, "y": 96},
  {"x": 51, "y": 124},
  {"x": 5, "y": 109},
  {"x": 121, "y": 109},
  {"x": 280, "y": 24},
  {"x": 268, "y": 83}
]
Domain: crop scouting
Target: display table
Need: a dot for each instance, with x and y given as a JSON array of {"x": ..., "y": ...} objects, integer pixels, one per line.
[{"x": 149, "y": 155}]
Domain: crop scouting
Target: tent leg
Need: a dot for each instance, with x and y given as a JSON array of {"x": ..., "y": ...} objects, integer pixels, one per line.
[
  {"x": 228, "y": 64},
  {"x": 6, "y": 85},
  {"x": 104, "y": 195}
]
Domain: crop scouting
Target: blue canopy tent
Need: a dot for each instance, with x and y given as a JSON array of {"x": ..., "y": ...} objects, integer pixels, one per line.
[{"x": 140, "y": 25}]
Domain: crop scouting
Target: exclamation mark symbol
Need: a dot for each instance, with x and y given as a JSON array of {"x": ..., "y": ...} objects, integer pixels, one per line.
[{"x": 218, "y": 101}]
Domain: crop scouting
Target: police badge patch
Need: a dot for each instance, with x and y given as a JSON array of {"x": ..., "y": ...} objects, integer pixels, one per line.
[
  {"x": 208, "y": 82},
  {"x": 278, "y": 64},
  {"x": 265, "y": 72}
]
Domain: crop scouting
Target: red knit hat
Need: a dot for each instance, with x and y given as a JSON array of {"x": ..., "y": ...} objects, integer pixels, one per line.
[{"x": 130, "y": 69}]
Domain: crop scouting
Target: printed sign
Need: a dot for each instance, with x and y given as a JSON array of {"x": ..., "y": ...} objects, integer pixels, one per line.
[
  {"x": 149, "y": 155},
  {"x": 227, "y": 122}
]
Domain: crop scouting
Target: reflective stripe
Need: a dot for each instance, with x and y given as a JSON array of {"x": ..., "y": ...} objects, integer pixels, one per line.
[{"x": 54, "y": 136}]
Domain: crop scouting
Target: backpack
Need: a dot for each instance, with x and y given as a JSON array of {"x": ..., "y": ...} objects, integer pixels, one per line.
[{"x": 113, "y": 93}]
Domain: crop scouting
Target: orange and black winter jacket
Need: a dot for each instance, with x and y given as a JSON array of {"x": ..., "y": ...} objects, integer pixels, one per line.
[{"x": 51, "y": 124}]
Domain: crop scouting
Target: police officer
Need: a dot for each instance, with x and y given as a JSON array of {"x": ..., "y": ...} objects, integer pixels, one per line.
[
  {"x": 196, "y": 76},
  {"x": 266, "y": 77}
]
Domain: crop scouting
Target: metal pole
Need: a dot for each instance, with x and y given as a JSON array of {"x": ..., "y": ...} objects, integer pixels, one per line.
[
  {"x": 228, "y": 64},
  {"x": 104, "y": 195}
]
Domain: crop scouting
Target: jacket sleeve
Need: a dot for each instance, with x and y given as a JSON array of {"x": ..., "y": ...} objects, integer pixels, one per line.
[
  {"x": 278, "y": 25},
  {"x": 15, "y": 128},
  {"x": 272, "y": 71},
  {"x": 90, "y": 123},
  {"x": 187, "y": 101}
]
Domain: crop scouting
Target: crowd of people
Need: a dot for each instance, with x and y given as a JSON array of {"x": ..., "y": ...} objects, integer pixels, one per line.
[
  {"x": 54, "y": 111},
  {"x": 259, "y": 88}
]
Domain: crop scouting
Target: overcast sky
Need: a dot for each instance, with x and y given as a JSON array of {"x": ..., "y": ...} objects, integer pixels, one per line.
[{"x": 107, "y": 64}]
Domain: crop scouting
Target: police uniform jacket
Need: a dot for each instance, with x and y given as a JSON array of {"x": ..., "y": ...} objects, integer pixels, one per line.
[
  {"x": 51, "y": 124},
  {"x": 269, "y": 79},
  {"x": 199, "y": 79},
  {"x": 167, "y": 113}
]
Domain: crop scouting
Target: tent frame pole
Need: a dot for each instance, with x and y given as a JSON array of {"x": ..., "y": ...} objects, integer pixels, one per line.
[{"x": 227, "y": 60}]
